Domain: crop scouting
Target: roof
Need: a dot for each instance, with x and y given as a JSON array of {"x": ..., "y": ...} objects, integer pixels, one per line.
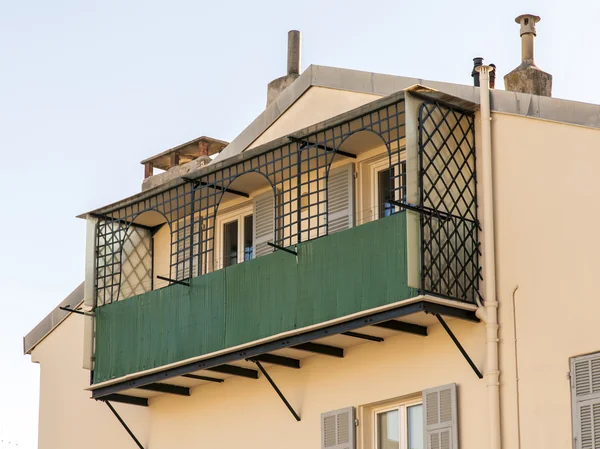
[
  {"x": 52, "y": 320},
  {"x": 187, "y": 152},
  {"x": 528, "y": 105}
]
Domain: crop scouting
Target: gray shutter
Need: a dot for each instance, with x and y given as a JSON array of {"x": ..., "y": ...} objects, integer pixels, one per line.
[
  {"x": 340, "y": 198},
  {"x": 338, "y": 430},
  {"x": 263, "y": 223},
  {"x": 440, "y": 417},
  {"x": 585, "y": 385}
]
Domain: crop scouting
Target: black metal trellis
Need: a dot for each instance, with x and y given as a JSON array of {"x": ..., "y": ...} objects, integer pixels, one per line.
[
  {"x": 298, "y": 175},
  {"x": 448, "y": 191}
]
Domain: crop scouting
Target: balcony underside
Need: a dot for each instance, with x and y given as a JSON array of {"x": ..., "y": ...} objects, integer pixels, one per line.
[{"x": 413, "y": 316}]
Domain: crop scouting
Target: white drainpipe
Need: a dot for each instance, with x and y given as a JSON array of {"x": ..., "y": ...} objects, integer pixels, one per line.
[{"x": 489, "y": 313}]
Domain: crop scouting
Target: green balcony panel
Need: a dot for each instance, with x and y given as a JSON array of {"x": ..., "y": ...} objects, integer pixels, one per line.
[{"x": 347, "y": 272}]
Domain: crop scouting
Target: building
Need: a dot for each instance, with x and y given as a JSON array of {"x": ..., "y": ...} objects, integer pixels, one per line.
[{"x": 374, "y": 262}]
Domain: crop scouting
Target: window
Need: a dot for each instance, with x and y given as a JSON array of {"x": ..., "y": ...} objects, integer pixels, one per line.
[
  {"x": 381, "y": 185},
  {"x": 384, "y": 193},
  {"x": 230, "y": 243},
  {"x": 235, "y": 241},
  {"x": 248, "y": 245},
  {"x": 399, "y": 426}
]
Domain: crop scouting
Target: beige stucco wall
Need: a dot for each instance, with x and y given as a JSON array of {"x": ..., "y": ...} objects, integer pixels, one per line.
[
  {"x": 248, "y": 413},
  {"x": 546, "y": 196},
  {"x": 68, "y": 418},
  {"x": 315, "y": 105},
  {"x": 162, "y": 256}
]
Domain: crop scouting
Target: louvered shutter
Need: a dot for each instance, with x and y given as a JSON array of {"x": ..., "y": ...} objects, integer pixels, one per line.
[
  {"x": 340, "y": 198},
  {"x": 263, "y": 223},
  {"x": 338, "y": 430},
  {"x": 585, "y": 384},
  {"x": 440, "y": 417}
]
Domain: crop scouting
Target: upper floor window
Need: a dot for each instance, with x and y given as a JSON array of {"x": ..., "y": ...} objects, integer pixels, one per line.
[
  {"x": 384, "y": 194},
  {"x": 389, "y": 183},
  {"x": 235, "y": 233}
]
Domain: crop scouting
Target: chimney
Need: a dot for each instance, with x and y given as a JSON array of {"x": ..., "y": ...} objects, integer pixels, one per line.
[
  {"x": 527, "y": 77},
  {"x": 477, "y": 62},
  {"x": 275, "y": 87}
]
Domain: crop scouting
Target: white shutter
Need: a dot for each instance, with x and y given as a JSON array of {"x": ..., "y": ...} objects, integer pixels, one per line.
[
  {"x": 440, "y": 417},
  {"x": 337, "y": 429},
  {"x": 340, "y": 198},
  {"x": 585, "y": 385},
  {"x": 263, "y": 223}
]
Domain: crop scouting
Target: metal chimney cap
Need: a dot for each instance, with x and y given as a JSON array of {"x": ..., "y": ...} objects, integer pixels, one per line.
[{"x": 527, "y": 22}]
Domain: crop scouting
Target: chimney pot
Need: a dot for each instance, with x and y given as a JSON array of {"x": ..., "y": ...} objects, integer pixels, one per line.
[
  {"x": 527, "y": 77},
  {"x": 477, "y": 62},
  {"x": 527, "y": 22}
]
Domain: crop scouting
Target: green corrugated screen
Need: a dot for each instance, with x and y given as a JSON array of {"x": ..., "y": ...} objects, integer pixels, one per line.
[{"x": 350, "y": 271}]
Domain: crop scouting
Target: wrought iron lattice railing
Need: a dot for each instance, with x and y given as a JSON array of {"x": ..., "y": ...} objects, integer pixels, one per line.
[
  {"x": 448, "y": 191},
  {"x": 296, "y": 171}
]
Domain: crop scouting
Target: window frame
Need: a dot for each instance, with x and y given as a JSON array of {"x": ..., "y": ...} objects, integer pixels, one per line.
[
  {"x": 239, "y": 213},
  {"x": 374, "y": 165},
  {"x": 402, "y": 407}
]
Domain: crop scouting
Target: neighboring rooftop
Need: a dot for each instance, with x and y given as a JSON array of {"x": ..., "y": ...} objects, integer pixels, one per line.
[{"x": 186, "y": 152}]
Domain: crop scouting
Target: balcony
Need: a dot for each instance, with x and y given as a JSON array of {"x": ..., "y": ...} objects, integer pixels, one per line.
[
  {"x": 356, "y": 270},
  {"x": 331, "y": 276}
]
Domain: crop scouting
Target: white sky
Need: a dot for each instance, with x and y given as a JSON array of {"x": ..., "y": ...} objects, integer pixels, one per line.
[{"x": 90, "y": 88}]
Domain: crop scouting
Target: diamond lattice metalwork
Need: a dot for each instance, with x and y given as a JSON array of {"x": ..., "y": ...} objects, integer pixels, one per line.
[{"x": 448, "y": 196}]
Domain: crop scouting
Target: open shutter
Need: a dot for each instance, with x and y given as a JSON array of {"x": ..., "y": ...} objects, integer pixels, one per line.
[
  {"x": 338, "y": 430},
  {"x": 340, "y": 198},
  {"x": 440, "y": 417},
  {"x": 263, "y": 223},
  {"x": 585, "y": 384}
]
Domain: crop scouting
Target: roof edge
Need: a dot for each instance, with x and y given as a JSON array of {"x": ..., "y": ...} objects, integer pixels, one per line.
[{"x": 52, "y": 320}]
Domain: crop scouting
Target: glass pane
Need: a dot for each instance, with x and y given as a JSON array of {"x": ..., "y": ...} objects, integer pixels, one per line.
[
  {"x": 415, "y": 427},
  {"x": 388, "y": 436},
  {"x": 230, "y": 243},
  {"x": 248, "y": 246},
  {"x": 384, "y": 187}
]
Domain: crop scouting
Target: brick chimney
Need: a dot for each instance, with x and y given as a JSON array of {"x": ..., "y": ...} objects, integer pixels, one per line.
[{"x": 527, "y": 77}]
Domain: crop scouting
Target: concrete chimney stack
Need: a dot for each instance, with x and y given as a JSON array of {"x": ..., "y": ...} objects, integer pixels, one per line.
[
  {"x": 275, "y": 87},
  {"x": 527, "y": 77},
  {"x": 293, "y": 59}
]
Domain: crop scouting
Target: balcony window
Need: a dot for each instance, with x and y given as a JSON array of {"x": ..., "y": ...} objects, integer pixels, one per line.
[
  {"x": 236, "y": 237},
  {"x": 248, "y": 241},
  {"x": 384, "y": 194}
]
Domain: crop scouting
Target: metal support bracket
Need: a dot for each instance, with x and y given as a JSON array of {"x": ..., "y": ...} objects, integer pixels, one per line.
[
  {"x": 78, "y": 312},
  {"x": 306, "y": 143},
  {"x": 459, "y": 346},
  {"x": 282, "y": 248},
  {"x": 195, "y": 183},
  {"x": 277, "y": 390},
  {"x": 173, "y": 281},
  {"x": 443, "y": 216},
  {"x": 112, "y": 409}
]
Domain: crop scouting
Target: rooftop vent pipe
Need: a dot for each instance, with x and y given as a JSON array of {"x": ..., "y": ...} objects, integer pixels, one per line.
[
  {"x": 527, "y": 77},
  {"x": 477, "y": 62},
  {"x": 275, "y": 87}
]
